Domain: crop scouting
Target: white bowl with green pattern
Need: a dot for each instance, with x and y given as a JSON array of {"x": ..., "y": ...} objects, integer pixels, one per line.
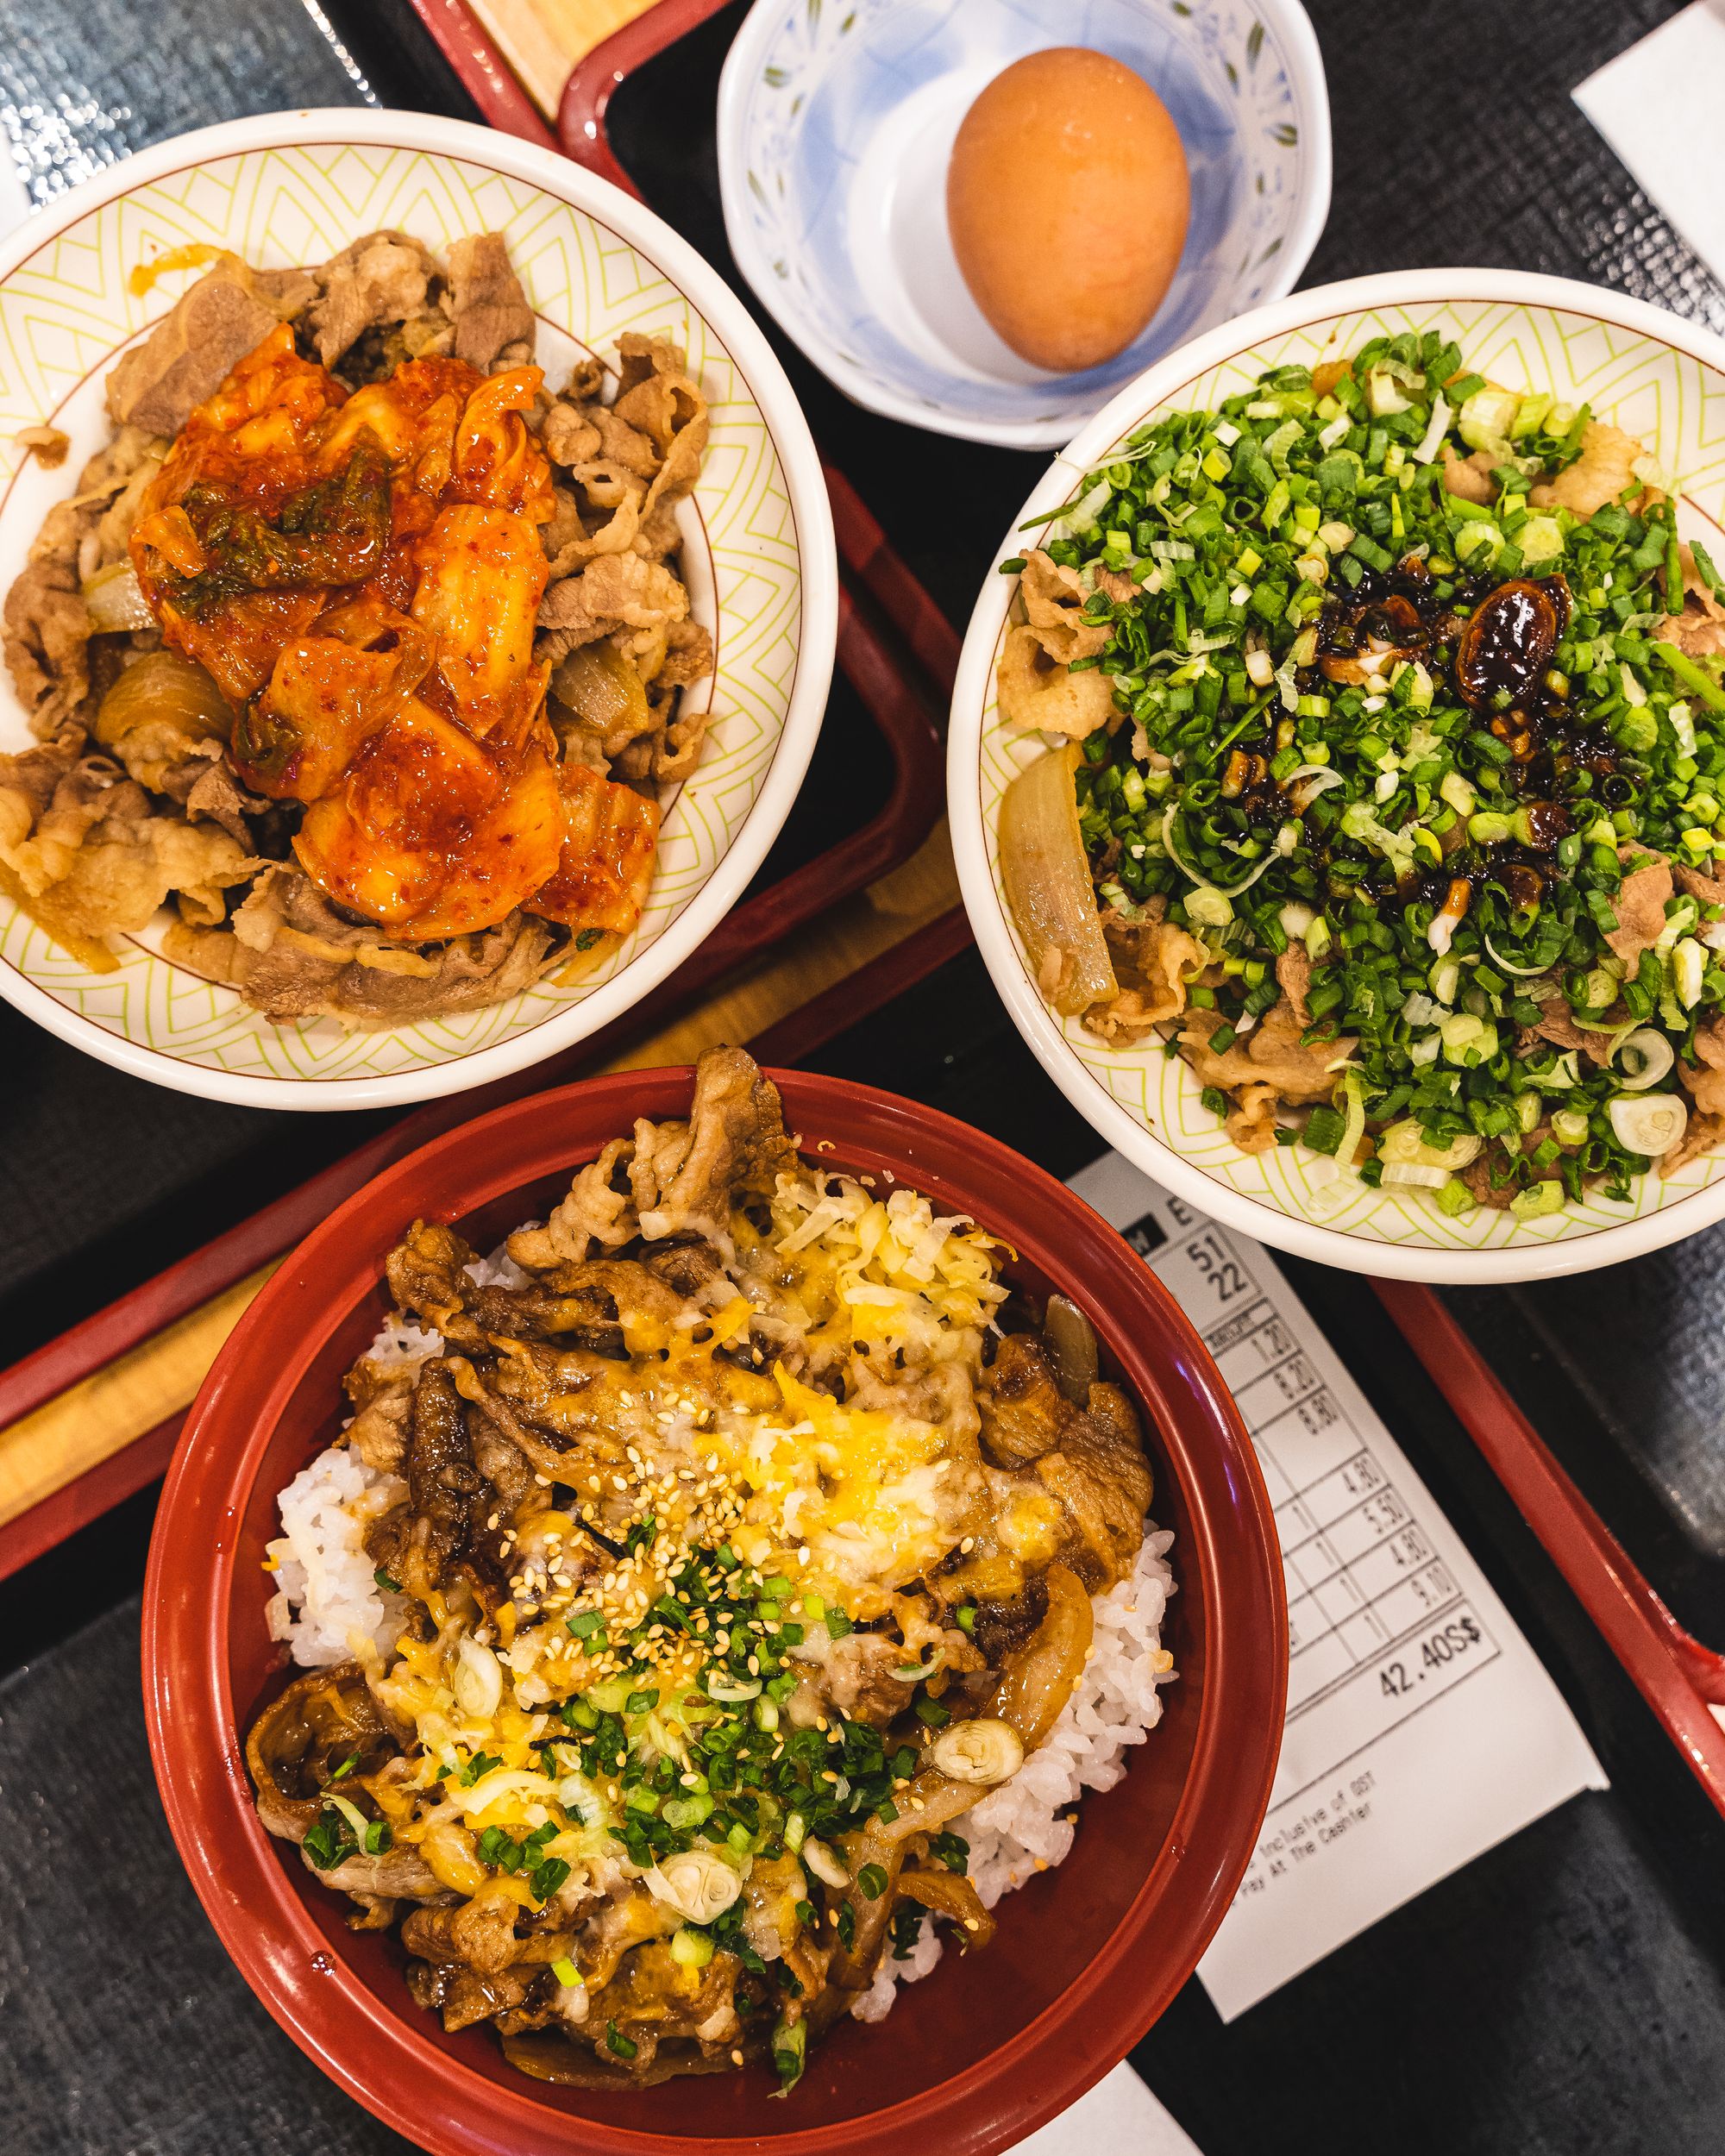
[
  {"x": 758, "y": 550},
  {"x": 1642, "y": 370}
]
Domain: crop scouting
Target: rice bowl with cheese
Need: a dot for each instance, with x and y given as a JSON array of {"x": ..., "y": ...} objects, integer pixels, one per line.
[{"x": 717, "y": 1601}]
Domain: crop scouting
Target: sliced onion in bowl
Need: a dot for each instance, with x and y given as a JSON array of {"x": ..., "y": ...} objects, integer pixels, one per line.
[
  {"x": 1432, "y": 439},
  {"x": 1650, "y": 1124},
  {"x": 1402, "y": 1145},
  {"x": 1311, "y": 779},
  {"x": 1505, "y": 965},
  {"x": 1415, "y": 1175},
  {"x": 1330, "y": 1188},
  {"x": 1649, "y": 1057},
  {"x": 1197, "y": 875},
  {"x": 1047, "y": 879},
  {"x": 158, "y": 710},
  {"x": 115, "y": 599}
]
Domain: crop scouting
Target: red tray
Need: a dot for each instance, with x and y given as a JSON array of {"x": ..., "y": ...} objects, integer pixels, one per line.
[{"x": 1680, "y": 1679}]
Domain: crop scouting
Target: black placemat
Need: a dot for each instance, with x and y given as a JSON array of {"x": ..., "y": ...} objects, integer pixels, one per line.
[
  {"x": 1564, "y": 1994},
  {"x": 123, "y": 2025}
]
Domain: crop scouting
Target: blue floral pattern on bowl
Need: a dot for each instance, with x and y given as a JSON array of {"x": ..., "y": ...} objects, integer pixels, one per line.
[{"x": 836, "y": 118}]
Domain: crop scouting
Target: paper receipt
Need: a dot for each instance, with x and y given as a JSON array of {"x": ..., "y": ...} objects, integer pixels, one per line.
[{"x": 1422, "y": 1729}]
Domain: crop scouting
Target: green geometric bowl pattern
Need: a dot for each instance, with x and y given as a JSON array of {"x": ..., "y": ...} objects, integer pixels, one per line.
[
  {"x": 1676, "y": 403},
  {"x": 67, "y": 310}
]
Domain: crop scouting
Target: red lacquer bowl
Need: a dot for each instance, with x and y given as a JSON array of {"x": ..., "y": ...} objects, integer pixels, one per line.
[{"x": 976, "y": 2055}]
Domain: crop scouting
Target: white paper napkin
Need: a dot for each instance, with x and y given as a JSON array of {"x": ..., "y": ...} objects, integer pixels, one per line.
[
  {"x": 1119, "y": 2117},
  {"x": 1658, "y": 105}
]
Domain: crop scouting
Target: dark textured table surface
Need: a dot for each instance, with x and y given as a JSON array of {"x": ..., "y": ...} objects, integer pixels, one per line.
[{"x": 1566, "y": 1993}]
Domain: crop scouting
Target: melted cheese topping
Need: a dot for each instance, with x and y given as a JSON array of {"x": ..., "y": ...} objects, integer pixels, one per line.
[
  {"x": 856, "y": 1501},
  {"x": 852, "y": 1498}
]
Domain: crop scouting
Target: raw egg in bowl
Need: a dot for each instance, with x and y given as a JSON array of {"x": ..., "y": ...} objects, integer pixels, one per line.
[
  {"x": 984, "y": 219},
  {"x": 1067, "y": 204}
]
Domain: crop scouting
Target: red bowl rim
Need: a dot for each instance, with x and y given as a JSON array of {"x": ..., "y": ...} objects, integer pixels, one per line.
[{"x": 435, "y": 2100}]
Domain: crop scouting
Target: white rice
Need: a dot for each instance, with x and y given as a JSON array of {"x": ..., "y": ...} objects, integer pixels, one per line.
[
  {"x": 1023, "y": 1827},
  {"x": 399, "y": 1340},
  {"x": 500, "y": 1269},
  {"x": 327, "y": 1596}
]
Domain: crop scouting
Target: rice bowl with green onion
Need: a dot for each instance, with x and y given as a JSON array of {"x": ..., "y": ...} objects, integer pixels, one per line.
[
  {"x": 716, "y": 1601},
  {"x": 1371, "y": 676}
]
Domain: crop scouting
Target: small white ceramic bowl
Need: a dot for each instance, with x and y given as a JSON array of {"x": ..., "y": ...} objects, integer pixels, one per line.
[
  {"x": 836, "y": 124},
  {"x": 758, "y": 550},
  {"x": 1640, "y": 369}
]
